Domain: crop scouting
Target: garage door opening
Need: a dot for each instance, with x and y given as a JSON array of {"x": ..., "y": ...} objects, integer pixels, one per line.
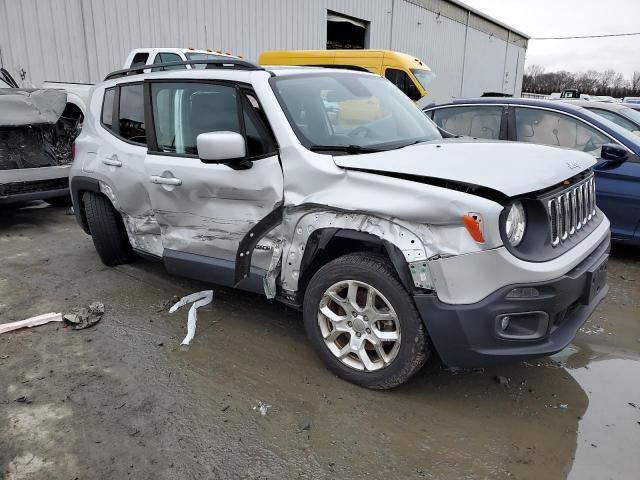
[{"x": 346, "y": 32}]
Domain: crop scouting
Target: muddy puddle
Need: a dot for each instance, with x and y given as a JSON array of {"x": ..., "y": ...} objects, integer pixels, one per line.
[{"x": 608, "y": 440}]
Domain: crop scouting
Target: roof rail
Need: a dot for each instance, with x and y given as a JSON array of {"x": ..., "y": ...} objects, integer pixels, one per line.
[{"x": 227, "y": 63}]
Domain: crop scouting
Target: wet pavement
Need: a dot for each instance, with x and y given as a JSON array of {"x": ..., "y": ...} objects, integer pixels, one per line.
[{"x": 123, "y": 400}]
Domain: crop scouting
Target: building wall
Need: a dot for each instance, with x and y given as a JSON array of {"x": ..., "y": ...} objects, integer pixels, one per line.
[{"x": 83, "y": 40}]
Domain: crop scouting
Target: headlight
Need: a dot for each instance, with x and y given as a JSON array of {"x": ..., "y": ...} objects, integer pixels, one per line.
[{"x": 516, "y": 223}]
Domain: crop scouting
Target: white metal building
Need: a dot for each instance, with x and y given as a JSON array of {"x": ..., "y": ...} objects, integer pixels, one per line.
[{"x": 82, "y": 40}]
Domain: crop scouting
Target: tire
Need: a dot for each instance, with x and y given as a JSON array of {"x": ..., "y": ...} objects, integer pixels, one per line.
[
  {"x": 60, "y": 201},
  {"x": 400, "y": 359},
  {"x": 107, "y": 230}
]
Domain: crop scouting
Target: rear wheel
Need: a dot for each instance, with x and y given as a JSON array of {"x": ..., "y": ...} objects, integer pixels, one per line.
[
  {"x": 363, "y": 323},
  {"x": 107, "y": 230}
]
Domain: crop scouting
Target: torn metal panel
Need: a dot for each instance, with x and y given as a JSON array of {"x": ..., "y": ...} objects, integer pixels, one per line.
[
  {"x": 275, "y": 265},
  {"x": 301, "y": 224},
  {"x": 20, "y": 107}
]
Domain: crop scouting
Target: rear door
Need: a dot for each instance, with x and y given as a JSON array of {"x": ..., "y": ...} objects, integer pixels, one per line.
[
  {"x": 206, "y": 209},
  {"x": 119, "y": 163},
  {"x": 617, "y": 184}
]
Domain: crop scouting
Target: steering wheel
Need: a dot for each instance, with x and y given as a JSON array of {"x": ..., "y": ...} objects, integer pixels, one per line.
[{"x": 362, "y": 131}]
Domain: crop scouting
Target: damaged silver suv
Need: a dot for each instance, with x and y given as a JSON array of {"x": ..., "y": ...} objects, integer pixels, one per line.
[{"x": 330, "y": 191}]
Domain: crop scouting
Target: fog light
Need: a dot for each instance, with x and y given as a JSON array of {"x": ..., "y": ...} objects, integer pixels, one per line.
[
  {"x": 524, "y": 292},
  {"x": 522, "y": 325}
]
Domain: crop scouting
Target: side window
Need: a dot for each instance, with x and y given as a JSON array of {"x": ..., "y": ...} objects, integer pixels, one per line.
[
  {"x": 403, "y": 81},
  {"x": 162, "y": 58},
  {"x": 481, "y": 121},
  {"x": 554, "y": 128},
  {"x": 139, "y": 59},
  {"x": 107, "y": 108},
  {"x": 181, "y": 112},
  {"x": 615, "y": 118},
  {"x": 131, "y": 114}
]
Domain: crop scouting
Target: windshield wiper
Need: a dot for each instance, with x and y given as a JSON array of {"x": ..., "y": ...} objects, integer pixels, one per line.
[{"x": 351, "y": 149}]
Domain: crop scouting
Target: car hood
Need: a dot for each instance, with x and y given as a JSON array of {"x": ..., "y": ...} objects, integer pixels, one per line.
[{"x": 507, "y": 167}]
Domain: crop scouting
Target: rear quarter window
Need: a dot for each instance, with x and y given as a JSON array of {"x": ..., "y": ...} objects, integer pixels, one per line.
[{"x": 107, "y": 108}]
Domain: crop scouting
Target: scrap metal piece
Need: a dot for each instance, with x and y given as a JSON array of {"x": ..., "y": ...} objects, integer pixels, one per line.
[
  {"x": 86, "y": 317},
  {"x": 199, "y": 299}
]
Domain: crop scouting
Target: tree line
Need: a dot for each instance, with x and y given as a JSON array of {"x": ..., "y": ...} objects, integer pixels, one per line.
[{"x": 592, "y": 82}]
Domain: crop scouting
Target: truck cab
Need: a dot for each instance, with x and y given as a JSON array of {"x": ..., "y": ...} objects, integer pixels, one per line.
[{"x": 158, "y": 56}]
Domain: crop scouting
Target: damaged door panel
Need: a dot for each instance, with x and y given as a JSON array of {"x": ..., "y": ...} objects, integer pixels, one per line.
[
  {"x": 205, "y": 207},
  {"x": 35, "y": 144}
]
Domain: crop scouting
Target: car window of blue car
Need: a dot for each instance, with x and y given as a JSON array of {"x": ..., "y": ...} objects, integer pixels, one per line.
[
  {"x": 615, "y": 118},
  {"x": 545, "y": 127},
  {"x": 479, "y": 121}
]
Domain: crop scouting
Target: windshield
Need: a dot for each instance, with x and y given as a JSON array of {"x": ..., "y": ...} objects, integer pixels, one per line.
[
  {"x": 329, "y": 110},
  {"x": 203, "y": 56},
  {"x": 619, "y": 133},
  {"x": 425, "y": 77}
]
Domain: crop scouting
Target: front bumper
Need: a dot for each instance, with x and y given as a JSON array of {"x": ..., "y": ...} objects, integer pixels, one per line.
[{"x": 473, "y": 335}]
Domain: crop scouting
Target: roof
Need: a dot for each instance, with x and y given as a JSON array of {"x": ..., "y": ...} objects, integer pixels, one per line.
[
  {"x": 613, "y": 107},
  {"x": 488, "y": 17},
  {"x": 237, "y": 74},
  {"x": 556, "y": 104}
]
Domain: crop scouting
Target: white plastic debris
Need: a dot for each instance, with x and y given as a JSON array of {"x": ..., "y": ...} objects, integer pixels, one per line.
[
  {"x": 262, "y": 407},
  {"x": 31, "y": 322},
  {"x": 199, "y": 299}
]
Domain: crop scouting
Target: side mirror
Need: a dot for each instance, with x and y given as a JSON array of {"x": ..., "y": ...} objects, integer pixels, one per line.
[
  {"x": 614, "y": 152},
  {"x": 413, "y": 93},
  {"x": 221, "y": 146}
]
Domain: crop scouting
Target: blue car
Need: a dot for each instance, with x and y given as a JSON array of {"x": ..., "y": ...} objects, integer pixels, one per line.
[{"x": 549, "y": 122}]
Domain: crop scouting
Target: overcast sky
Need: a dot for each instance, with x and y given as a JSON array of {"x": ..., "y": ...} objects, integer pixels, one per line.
[{"x": 559, "y": 18}]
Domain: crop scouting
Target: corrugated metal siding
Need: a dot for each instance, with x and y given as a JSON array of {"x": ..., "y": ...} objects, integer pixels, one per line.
[
  {"x": 83, "y": 40},
  {"x": 436, "y": 40},
  {"x": 484, "y": 64}
]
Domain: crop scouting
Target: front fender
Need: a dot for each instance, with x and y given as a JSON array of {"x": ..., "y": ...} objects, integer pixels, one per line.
[{"x": 406, "y": 250}]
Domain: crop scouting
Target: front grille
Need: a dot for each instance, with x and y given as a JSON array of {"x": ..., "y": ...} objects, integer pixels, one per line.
[
  {"x": 17, "y": 188},
  {"x": 570, "y": 210}
]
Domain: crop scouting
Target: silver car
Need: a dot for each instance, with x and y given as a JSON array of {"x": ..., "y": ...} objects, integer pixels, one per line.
[{"x": 395, "y": 243}]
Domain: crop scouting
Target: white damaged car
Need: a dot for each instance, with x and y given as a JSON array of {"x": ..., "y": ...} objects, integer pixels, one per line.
[{"x": 396, "y": 244}]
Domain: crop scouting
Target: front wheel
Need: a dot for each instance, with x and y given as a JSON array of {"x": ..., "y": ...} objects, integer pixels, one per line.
[{"x": 363, "y": 323}]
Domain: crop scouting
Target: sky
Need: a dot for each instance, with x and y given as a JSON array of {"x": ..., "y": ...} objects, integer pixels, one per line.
[{"x": 560, "y": 18}]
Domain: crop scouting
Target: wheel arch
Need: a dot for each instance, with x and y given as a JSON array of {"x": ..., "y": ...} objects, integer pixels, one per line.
[
  {"x": 327, "y": 244},
  {"x": 80, "y": 185}
]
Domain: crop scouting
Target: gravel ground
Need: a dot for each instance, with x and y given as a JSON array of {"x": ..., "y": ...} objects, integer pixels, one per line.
[{"x": 123, "y": 400}]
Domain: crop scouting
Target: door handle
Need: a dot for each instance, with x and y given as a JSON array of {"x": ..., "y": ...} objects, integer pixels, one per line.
[
  {"x": 112, "y": 161},
  {"x": 165, "y": 180}
]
